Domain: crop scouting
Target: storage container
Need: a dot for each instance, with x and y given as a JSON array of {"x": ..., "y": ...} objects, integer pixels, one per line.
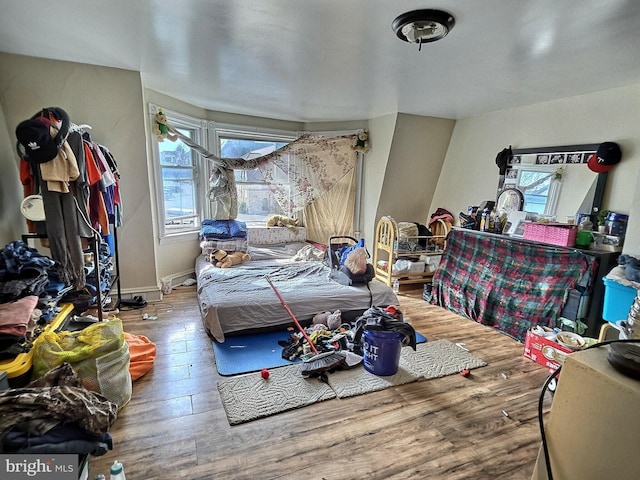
[
  {"x": 616, "y": 224},
  {"x": 562, "y": 234},
  {"x": 382, "y": 352},
  {"x": 617, "y": 300}
]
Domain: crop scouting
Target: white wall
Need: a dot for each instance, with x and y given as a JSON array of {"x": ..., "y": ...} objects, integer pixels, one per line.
[
  {"x": 373, "y": 172},
  {"x": 470, "y": 175},
  {"x": 399, "y": 175},
  {"x": 110, "y": 100},
  {"x": 12, "y": 223}
]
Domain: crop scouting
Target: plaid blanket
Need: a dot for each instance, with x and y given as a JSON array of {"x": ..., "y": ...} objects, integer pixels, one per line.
[{"x": 507, "y": 284}]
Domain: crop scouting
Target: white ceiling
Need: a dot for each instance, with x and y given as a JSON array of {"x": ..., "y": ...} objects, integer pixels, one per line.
[{"x": 328, "y": 60}]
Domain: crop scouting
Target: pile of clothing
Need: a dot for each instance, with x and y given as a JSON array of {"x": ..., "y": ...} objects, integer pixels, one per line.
[
  {"x": 227, "y": 235},
  {"x": 30, "y": 292},
  {"x": 329, "y": 334},
  {"x": 56, "y": 414}
]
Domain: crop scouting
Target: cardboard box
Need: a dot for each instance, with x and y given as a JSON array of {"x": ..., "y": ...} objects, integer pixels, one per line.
[{"x": 546, "y": 352}]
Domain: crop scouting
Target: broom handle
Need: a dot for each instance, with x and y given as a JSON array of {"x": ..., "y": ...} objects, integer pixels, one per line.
[{"x": 295, "y": 320}]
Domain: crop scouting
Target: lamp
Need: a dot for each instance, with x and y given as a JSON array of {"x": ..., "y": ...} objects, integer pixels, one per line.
[{"x": 423, "y": 26}]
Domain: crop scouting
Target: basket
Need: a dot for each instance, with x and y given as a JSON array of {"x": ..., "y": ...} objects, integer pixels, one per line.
[{"x": 562, "y": 234}]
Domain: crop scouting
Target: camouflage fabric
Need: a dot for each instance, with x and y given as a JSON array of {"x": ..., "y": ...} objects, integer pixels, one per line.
[{"x": 57, "y": 397}]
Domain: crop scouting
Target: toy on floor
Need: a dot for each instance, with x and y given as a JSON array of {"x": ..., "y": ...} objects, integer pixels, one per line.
[
  {"x": 331, "y": 320},
  {"x": 265, "y": 373},
  {"x": 222, "y": 259}
]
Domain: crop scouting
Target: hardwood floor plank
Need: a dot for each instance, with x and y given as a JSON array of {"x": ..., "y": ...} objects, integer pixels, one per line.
[{"x": 449, "y": 428}]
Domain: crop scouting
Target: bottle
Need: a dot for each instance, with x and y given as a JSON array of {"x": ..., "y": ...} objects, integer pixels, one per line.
[
  {"x": 117, "y": 471},
  {"x": 396, "y": 286},
  {"x": 486, "y": 220}
]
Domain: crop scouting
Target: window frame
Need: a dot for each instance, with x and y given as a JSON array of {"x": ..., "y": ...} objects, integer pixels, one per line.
[
  {"x": 208, "y": 135},
  {"x": 555, "y": 187},
  {"x": 238, "y": 132},
  {"x": 200, "y": 176}
]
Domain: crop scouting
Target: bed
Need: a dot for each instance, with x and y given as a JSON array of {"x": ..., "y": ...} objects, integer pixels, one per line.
[{"x": 239, "y": 299}]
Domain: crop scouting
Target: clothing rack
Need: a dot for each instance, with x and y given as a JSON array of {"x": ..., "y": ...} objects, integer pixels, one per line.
[{"x": 95, "y": 249}]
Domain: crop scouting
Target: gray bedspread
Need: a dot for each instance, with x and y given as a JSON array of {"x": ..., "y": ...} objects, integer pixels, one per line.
[{"x": 239, "y": 298}]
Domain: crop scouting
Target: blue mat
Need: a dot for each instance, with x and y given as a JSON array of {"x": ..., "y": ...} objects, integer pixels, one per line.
[{"x": 253, "y": 352}]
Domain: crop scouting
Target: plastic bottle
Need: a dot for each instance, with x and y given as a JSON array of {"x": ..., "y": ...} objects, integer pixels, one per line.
[
  {"x": 396, "y": 286},
  {"x": 117, "y": 471}
]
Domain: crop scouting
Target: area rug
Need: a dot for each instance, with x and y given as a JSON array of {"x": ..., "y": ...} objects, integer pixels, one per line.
[
  {"x": 249, "y": 397},
  {"x": 253, "y": 352},
  {"x": 430, "y": 360}
]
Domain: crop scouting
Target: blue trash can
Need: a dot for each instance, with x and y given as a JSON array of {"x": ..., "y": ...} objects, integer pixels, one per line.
[{"x": 382, "y": 352}]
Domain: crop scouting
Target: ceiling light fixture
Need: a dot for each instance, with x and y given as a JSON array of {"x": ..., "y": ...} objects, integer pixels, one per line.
[{"x": 423, "y": 26}]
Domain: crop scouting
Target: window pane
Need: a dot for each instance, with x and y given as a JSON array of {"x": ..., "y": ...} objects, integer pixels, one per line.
[
  {"x": 255, "y": 200},
  {"x": 179, "y": 191},
  {"x": 256, "y": 203},
  {"x": 177, "y": 153},
  {"x": 535, "y": 187}
]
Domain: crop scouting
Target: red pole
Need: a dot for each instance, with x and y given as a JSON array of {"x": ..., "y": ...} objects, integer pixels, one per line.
[{"x": 295, "y": 320}]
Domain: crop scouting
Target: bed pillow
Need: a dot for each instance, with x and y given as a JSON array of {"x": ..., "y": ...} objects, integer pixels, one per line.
[{"x": 259, "y": 235}]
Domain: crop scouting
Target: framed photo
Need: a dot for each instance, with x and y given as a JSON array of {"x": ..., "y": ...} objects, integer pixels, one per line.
[
  {"x": 514, "y": 160},
  {"x": 515, "y": 224},
  {"x": 542, "y": 159}
]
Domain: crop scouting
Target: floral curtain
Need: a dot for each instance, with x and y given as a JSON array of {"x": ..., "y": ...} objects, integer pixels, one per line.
[{"x": 313, "y": 165}]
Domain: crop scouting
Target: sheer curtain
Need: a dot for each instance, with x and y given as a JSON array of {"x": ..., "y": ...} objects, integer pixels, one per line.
[{"x": 321, "y": 173}]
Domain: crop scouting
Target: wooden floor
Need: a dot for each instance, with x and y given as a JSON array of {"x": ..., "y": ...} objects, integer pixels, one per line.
[{"x": 447, "y": 428}]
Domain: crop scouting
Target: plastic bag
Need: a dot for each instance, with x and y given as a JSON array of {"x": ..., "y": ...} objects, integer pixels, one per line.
[{"x": 98, "y": 354}]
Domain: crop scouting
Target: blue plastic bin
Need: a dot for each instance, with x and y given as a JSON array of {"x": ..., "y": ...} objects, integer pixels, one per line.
[
  {"x": 618, "y": 299},
  {"x": 382, "y": 352}
]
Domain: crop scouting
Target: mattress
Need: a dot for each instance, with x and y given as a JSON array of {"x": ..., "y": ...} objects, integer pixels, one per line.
[{"x": 237, "y": 299}]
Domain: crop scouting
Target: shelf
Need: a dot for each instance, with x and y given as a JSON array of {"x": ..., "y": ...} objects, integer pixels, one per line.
[{"x": 386, "y": 249}]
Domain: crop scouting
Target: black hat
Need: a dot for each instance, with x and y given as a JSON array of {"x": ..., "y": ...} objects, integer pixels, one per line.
[
  {"x": 34, "y": 136},
  {"x": 35, "y": 142},
  {"x": 502, "y": 159},
  {"x": 607, "y": 156}
]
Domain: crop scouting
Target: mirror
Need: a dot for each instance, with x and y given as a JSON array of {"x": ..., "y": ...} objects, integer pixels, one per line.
[
  {"x": 510, "y": 200},
  {"x": 556, "y": 181}
]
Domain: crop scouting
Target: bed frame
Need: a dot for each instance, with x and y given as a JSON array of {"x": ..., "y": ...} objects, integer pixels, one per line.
[{"x": 386, "y": 250}]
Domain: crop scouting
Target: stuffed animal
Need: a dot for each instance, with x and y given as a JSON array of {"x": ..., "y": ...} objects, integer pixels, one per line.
[
  {"x": 320, "y": 318},
  {"x": 331, "y": 320},
  {"x": 360, "y": 142},
  {"x": 356, "y": 261},
  {"x": 283, "y": 221},
  {"x": 222, "y": 259},
  {"x": 161, "y": 128}
]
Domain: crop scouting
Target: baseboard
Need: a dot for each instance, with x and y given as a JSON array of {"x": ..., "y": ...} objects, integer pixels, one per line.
[{"x": 150, "y": 294}]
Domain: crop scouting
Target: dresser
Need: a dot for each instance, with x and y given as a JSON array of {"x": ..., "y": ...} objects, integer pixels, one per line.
[{"x": 513, "y": 284}]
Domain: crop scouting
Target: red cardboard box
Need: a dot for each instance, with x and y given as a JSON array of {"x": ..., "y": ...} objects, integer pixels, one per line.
[{"x": 546, "y": 352}]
